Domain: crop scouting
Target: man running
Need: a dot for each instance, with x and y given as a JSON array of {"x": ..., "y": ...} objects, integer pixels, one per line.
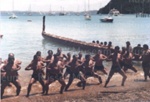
[
  {"x": 75, "y": 68},
  {"x": 55, "y": 73},
  {"x": 116, "y": 57},
  {"x": 99, "y": 58},
  {"x": 37, "y": 66},
  {"x": 88, "y": 69},
  {"x": 128, "y": 62}
]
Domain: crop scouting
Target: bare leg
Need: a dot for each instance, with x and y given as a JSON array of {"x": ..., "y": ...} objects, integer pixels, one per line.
[
  {"x": 99, "y": 78},
  {"x": 134, "y": 69},
  {"x": 63, "y": 85},
  {"x": 18, "y": 86},
  {"x": 124, "y": 77},
  {"x": 111, "y": 73},
  {"x": 29, "y": 86},
  {"x": 48, "y": 82},
  {"x": 83, "y": 80},
  {"x": 69, "y": 82},
  {"x": 3, "y": 86},
  {"x": 42, "y": 83},
  {"x": 104, "y": 71}
]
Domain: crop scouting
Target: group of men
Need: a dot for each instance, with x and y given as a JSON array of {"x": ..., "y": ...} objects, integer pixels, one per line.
[{"x": 59, "y": 65}]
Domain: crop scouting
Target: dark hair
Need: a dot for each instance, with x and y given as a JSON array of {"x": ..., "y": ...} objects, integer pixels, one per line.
[
  {"x": 50, "y": 51},
  {"x": 97, "y": 42},
  {"x": 105, "y": 43},
  {"x": 87, "y": 56},
  {"x": 128, "y": 43},
  {"x": 117, "y": 48},
  {"x": 38, "y": 53},
  {"x": 145, "y": 46}
]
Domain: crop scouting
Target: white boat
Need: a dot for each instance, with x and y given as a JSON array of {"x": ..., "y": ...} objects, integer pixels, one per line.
[
  {"x": 13, "y": 16},
  {"x": 107, "y": 19},
  {"x": 87, "y": 15},
  {"x": 114, "y": 12}
]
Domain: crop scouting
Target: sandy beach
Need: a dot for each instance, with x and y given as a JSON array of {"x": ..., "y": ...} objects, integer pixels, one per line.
[{"x": 135, "y": 90}]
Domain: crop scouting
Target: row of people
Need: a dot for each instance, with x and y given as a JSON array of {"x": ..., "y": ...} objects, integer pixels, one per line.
[{"x": 76, "y": 67}]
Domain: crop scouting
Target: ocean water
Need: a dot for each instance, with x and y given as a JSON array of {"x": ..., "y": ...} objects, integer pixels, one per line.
[{"x": 24, "y": 38}]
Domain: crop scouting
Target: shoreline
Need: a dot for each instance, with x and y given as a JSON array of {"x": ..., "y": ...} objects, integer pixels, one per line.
[{"x": 135, "y": 89}]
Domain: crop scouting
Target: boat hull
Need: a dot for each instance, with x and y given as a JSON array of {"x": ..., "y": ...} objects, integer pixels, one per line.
[{"x": 106, "y": 20}]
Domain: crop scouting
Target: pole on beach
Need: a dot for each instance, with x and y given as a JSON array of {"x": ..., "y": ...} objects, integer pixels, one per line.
[{"x": 43, "y": 23}]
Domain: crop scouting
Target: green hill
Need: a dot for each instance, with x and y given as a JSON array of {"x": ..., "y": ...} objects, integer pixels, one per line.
[{"x": 127, "y": 6}]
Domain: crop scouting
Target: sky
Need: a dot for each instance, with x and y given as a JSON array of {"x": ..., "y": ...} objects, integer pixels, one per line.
[{"x": 51, "y": 5}]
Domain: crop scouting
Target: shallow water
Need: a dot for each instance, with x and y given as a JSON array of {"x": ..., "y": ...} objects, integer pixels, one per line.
[{"x": 24, "y": 38}]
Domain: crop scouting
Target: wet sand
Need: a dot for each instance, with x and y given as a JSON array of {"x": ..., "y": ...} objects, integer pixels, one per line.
[{"x": 135, "y": 90}]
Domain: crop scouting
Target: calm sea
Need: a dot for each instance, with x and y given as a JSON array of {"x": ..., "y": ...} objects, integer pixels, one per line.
[{"x": 24, "y": 38}]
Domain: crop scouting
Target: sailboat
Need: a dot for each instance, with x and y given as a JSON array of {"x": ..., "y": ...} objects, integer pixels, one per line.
[
  {"x": 87, "y": 14},
  {"x": 29, "y": 14},
  {"x": 13, "y": 16}
]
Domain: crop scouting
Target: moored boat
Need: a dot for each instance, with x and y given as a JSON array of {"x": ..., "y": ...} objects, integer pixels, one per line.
[{"x": 107, "y": 19}]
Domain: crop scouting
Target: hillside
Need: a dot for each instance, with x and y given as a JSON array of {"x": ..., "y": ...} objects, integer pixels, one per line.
[{"x": 127, "y": 6}]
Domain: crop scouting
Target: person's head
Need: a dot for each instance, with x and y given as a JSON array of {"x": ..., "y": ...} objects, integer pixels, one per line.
[
  {"x": 97, "y": 42},
  {"x": 38, "y": 53},
  {"x": 59, "y": 50},
  {"x": 88, "y": 57},
  {"x": 69, "y": 54},
  {"x": 117, "y": 48},
  {"x": 50, "y": 52},
  {"x": 123, "y": 49},
  {"x": 101, "y": 43},
  {"x": 139, "y": 45},
  {"x": 128, "y": 43},
  {"x": 145, "y": 47},
  {"x": 99, "y": 52},
  {"x": 80, "y": 54},
  {"x": 93, "y": 41},
  {"x": 109, "y": 43},
  {"x": 105, "y": 43},
  {"x": 75, "y": 57},
  {"x": 11, "y": 58}
]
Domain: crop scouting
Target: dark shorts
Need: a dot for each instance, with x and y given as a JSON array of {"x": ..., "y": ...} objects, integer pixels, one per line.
[
  {"x": 75, "y": 75},
  {"x": 128, "y": 65},
  {"x": 37, "y": 76},
  {"x": 99, "y": 67},
  {"x": 55, "y": 76},
  {"x": 116, "y": 69},
  {"x": 9, "y": 78}
]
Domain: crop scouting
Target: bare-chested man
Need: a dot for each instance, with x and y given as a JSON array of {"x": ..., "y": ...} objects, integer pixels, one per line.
[
  {"x": 37, "y": 66},
  {"x": 66, "y": 62},
  {"x": 11, "y": 68},
  {"x": 55, "y": 73},
  {"x": 146, "y": 61},
  {"x": 80, "y": 58},
  {"x": 88, "y": 68},
  {"x": 49, "y": 59},
  {"x": 99, "y": 58},
  {"x": 60, "y": 54},
  {"x": 75, "y": 68},
  {"x": 127, "y": 60},
  {"x": 116, "y": 66},
  {"x": 137, "y": 52},
  {"x": 128, "y": 46}
]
